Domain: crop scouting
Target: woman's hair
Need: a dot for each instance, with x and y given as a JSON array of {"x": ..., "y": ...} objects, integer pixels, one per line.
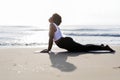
[{"x": 57, "y": 19}]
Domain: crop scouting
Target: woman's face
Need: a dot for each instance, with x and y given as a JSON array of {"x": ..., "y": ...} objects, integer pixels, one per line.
[{"x": 51, "y": 19}]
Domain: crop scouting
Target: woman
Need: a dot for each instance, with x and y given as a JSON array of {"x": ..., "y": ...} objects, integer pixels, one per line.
[{"x": 68, "y": 43}]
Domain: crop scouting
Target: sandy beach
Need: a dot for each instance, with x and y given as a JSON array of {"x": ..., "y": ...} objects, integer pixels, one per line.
[{"x": 27, "y": 64}]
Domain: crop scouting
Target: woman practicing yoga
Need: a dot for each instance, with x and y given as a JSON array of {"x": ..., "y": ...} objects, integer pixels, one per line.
[{"x": 68, "y": 43}]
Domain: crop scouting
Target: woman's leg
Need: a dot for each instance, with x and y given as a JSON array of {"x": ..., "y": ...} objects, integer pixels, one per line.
[
  {"x": 92, "y": 47},
  {"x": 72, "y": 46}
]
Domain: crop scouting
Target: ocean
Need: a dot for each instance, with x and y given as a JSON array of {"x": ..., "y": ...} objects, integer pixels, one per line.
[{"x": 37, "y": 36}]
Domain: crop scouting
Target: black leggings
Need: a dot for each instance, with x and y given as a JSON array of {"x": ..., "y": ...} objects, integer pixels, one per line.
[{"x": 72, "y": 46}]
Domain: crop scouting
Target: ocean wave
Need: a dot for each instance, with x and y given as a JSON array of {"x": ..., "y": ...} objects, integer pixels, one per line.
[
  {"x": 22, "y": 44},
  {"x": 105, "y": 35},
  {"x": 37, "y": 30},
  {"x": 15, "y": 26},
  {"x": 86, "y": 29},
  {"x": 75, "y": 30}
]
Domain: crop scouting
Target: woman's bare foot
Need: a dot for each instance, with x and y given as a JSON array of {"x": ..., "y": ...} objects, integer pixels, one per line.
[{"x": 110, "y": 49}]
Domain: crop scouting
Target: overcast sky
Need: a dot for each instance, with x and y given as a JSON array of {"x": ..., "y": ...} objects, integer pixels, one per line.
[{"x": 73, "y": 12}]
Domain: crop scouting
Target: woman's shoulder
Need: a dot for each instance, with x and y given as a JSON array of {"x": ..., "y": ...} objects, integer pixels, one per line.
[{"x": 52, "y": 26}]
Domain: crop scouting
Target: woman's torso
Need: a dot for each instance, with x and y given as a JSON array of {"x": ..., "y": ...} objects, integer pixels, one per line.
[{"x": 58, "y": 33}]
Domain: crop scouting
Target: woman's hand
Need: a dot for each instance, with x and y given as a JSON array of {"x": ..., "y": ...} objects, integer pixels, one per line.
[{"x": 44, "y": 51}]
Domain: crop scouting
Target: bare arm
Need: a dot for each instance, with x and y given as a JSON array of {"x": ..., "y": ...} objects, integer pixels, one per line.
[{"x": 51, "y": 36}]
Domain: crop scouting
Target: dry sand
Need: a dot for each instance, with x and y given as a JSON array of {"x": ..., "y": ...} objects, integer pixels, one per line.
[{"x": 26, "y": 64}]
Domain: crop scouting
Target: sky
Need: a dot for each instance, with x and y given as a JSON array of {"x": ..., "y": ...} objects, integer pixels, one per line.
[{"x": 73, "y": 12}]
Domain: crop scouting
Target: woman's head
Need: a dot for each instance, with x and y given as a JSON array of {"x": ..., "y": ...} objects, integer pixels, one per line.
[{"x": 56, "y": 18}]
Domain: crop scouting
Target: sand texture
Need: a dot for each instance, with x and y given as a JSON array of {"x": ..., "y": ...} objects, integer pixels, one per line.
[{"x": 26, "y": 64}]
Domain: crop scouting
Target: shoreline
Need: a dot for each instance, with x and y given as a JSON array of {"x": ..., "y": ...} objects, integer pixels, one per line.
[{"x": 45, "y": 46}]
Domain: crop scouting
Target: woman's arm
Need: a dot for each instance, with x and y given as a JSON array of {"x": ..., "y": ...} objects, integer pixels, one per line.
[{"x": 51, "y": 36}]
